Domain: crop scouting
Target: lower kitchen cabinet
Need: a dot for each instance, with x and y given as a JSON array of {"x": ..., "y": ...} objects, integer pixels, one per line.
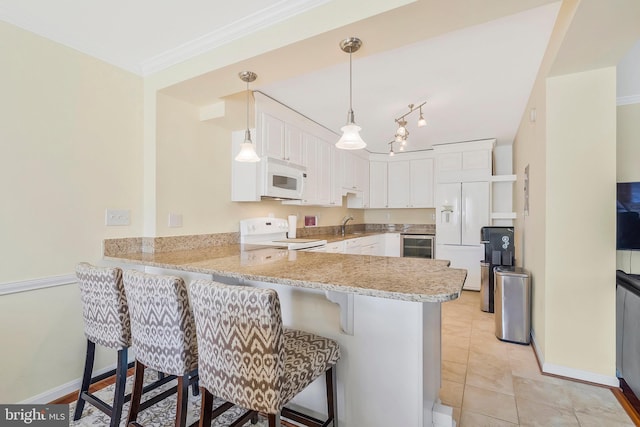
[
  {"x": 391, "y": 245},
  {"x": 467, "y": 257}
]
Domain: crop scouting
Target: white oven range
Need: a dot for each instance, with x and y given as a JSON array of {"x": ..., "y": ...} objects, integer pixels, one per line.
[{"x": 263, "y": 232}]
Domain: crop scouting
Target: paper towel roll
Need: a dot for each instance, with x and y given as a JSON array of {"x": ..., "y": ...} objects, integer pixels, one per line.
[{"x": 292, "y": 226}]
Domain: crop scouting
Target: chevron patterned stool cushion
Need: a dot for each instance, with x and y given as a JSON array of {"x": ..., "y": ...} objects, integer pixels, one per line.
[
  {"x": 162, "y": 326},
  {"x": 104, "y": 306},
  {"x": 246, "y": 357},
  {"x": 163, "y": 335},
  {"x": 307, "y": 356}
]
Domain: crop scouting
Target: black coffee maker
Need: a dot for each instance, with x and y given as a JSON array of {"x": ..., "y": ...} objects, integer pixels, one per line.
[{"x": 498, "y": 251}]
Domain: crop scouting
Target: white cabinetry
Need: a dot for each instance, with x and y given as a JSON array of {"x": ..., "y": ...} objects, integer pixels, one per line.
[
  {"x": 352, "y": 246},
  {"x": 406, "y": 183},
  {"x": 335, "y": 198},
  {"x": 466, "y": 163},
  {"x": 355, "y": 179},
  {"x": 284, "y": 134},
  {"x": 280, "y": 139},
  {"x": 317, "y": 184},
  {"x": 398, "y": 191},
  {"x": 421, "y": 195},
  {"x": 355, "y": 172},
  {"x": 335, "y": 247},
  {"x": 391, "y": 244},
  {"x": 378, "y": 184}
]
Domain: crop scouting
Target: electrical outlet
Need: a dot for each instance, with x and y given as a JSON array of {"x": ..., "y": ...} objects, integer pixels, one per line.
[
  {"x": 117, "y": 217},
  {"x": 175, "y": 220}
]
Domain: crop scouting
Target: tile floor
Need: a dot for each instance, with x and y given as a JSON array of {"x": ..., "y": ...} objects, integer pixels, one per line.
[{"x": 492, "y": 383}]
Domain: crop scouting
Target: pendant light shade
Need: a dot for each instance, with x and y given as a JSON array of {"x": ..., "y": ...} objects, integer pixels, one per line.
[
  {"x": 247, "y": 150},
  {"x": 350, "y": 139}
]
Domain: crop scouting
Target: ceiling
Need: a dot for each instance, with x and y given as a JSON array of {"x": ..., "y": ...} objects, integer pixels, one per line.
[
  {"x": 474, "y": 63},
  {"x": 476, "y": 82}
]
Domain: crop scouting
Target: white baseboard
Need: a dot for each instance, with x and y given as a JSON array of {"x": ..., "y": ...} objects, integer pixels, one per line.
[
  {"x": 576, "y": 374},
  {"x": 64, "y": 389}
]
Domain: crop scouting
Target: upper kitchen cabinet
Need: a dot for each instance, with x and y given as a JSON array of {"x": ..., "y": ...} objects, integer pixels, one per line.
[
  {"x": 464, "y": 161},
  {"x": 378, "y": 184},
  {"x": 355, "y": 179},
  {"x": 287, "y": 138},
  {"x": 279, "y": 139},
  {"x": 317, "y": 184},
  {"x": 405, "y": 181}
]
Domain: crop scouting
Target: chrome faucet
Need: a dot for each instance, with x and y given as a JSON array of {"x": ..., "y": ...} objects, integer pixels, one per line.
[{"x": 344, "y": 223}]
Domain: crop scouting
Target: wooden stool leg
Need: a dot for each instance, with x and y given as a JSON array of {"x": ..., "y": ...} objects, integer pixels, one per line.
[
  {"x": 330, "y": 376},
  {"x": 121, "y": 380},
  {"x": 183, "y": 399},
  {"x": 86, "y": 379},
  {"x": 206, "y": 406},
  {"x": 136, "y": 394},
  {"x": 274, "y": 420}
]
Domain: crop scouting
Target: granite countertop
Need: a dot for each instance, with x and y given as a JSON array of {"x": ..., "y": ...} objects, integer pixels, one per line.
[{"x": 408, "y": 279}]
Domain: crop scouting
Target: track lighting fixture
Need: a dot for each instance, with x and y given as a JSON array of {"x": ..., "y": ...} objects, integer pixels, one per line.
[{"x": 402, "y": 133}]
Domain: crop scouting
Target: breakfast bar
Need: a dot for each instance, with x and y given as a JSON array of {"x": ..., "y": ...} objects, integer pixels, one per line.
[{"x": 384, "y": 312}]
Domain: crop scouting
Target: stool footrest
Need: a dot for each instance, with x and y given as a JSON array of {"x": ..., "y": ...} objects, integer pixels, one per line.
[
  {"x": 305, "y": 419},
  {"x": 97, "y": 402}
]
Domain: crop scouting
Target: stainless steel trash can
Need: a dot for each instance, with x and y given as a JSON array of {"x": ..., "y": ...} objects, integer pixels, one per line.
[
  {"x": 484, "y": 285},
  {"x": 512, "y": 302}
]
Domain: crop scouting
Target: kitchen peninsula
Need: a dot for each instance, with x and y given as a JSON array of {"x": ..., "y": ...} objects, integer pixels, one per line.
[{"x": 387, "y": 319}]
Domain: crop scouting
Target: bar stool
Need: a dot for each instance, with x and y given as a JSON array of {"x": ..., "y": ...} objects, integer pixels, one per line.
[
  {"x": 106, "y": 322},
  {"x": 246, "y": 356},
  {"x": 163, "y": 335}
]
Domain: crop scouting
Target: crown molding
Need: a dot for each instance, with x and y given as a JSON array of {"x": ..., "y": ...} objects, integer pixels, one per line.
[
  {"x": 250, "y": 24},
  {"x": 258, "y": 20},
  {"x": 627, "y": 100}
]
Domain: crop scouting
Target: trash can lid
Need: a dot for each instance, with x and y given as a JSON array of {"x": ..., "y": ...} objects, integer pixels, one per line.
[{"x": 511, "y": 271}]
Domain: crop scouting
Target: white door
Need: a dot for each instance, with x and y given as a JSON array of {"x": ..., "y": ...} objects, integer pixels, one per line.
[
  {"x": 475, "y": 211},
  {"x": 448, "y": 213}
]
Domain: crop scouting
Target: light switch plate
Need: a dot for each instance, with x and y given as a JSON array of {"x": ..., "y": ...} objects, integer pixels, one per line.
[
  {"x": 175, "y": 220},
  {"x": 117, "y": 217}
]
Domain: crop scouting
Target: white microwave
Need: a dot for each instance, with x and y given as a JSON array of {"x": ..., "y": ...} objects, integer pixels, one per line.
[{"x": 283, "y": 180}]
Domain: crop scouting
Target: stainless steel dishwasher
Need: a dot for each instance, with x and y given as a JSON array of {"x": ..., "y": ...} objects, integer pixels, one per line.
[{"x": 417, "y": 245}]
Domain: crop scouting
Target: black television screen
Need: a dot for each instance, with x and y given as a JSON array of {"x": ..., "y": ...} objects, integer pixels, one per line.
[{"x": 628, "y": 223}]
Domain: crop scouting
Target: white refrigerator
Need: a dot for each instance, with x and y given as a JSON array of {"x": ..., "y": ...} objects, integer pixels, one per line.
[{"x": 462, "y": 208}]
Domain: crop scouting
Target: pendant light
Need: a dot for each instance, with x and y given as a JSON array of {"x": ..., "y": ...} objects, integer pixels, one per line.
[
  {"x": 247, "y": 151},
  {"x": 350, "y": 139}
]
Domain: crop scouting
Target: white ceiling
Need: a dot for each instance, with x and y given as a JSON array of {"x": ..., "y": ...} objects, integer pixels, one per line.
[
  {"x": 144, "y": 36},
  {"x": 476, "y": 82},
  {"x": 475, "y": 78}
]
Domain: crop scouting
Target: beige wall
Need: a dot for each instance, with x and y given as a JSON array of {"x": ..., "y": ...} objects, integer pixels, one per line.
[
  {"x": 628, "y": 143},
  {"x": 71, "y": 132},
  {"x": 79, "y": 136},
  {"x": 570, "y": 149},
  {"x": 194, "y": 178},
  {"x": 580, "y": 221}
]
